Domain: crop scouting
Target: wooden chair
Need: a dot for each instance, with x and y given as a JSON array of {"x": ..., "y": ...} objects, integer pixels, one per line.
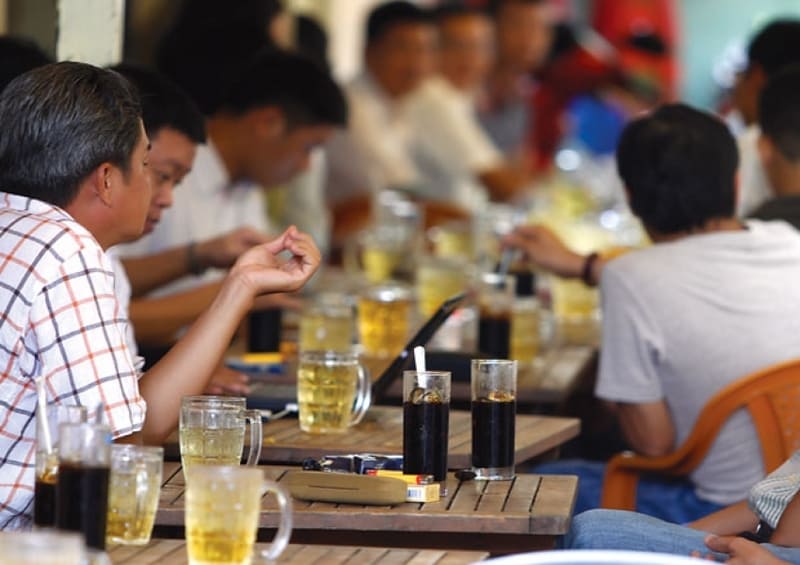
[{"x": 772, "y": 397}]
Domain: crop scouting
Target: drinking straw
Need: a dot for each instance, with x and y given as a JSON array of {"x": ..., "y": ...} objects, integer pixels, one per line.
[
  {"x": 505, "y": 261},
  {"x": 419, "y": 358},
  {"x": 45, "y": 427}
]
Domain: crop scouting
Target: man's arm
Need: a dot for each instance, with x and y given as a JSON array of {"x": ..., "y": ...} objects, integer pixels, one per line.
[
  {"x": 647, "y": 427},
  {"x": 148, "y": 272},
  {"x": 729, "y": 521}
]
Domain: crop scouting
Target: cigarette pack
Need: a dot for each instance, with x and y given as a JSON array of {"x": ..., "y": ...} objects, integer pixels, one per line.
[{"x": 422, "y": 493}]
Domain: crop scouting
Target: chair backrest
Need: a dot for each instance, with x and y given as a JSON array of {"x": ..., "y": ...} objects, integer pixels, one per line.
[{"x": 772, "y": 397}]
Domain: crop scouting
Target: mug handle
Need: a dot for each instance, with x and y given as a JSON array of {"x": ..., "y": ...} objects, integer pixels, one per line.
[
  {"x": 253, "y": 417},
  {"x": 363, "y": 396},
  {"x": 281, "y": 539}
]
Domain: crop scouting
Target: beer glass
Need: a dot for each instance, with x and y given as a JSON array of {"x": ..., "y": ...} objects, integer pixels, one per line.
[
  {"x": 326, "y": 324},
  {"x": 439, "y": 278},
  {"x": 384, "y": 319},
  {"x": 84, "y": 462},
  {"x": 333, "y": 391},
  {"x": 212, "y": 431},
  {"x": 46, "y": 546},
  {"x": 223, "y": 506},
  {"x": 44, "y": 497},
  {"x": 495, "y": 299},
  {"x": 525, "y": 322},
  {"x": 494, "y": 409},
  {"x": 426, "y": 417},
  {"x": 133, "y": 493}
]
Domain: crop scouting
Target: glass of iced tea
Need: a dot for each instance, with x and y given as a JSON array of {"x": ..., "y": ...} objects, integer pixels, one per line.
[
  {"x": 327, "y": 324},
  {"x": 525, "y": 322},
  {"x": 333, "y": 391},
  {"x": 44, "y": 497},
  {"x": 384, "y": 319},
  {"x": 494, "y": 410},
  {"x": 84, "y": 466},
  {"x": 426, "y": 416},
  {"x": 133, "y": 493},
  {"x": 495, "y": 300},
  {"x": 212, "y": 431},
  {"x": 223, "y": 506}
]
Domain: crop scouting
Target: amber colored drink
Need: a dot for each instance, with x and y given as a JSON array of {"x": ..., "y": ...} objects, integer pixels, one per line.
[{"x": 325, "y": 394}]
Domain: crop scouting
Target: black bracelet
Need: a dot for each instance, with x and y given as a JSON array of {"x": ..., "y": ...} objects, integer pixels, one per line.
[
  {"x": 193, "y": 261},
  {"x": 588, "y": 264}
]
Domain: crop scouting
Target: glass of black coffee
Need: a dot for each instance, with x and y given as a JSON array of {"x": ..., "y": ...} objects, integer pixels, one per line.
[
  {"x": 495, "y": 301},
  {"x": 44, "y": 496},
  {"x": 426, "y": 414},
  {"x": 84, "y": 464},
  {"x": 494, "y": 409}
]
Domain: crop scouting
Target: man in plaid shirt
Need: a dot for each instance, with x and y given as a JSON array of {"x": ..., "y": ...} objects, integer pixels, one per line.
[{"x": 73, "y": 168}]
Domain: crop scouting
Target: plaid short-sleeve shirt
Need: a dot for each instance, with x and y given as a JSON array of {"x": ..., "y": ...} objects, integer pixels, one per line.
[{"x": 59, "y": 319}]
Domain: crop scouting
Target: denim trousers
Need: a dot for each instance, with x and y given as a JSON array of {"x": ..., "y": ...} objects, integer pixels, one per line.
[
  {"x": 673, "y": 501},
  {"x": 618, "y": 529}
]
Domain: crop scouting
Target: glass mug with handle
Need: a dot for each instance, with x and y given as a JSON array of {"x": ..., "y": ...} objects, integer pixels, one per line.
[
  {"x": 333, "y": 391},
  {"x": 223, "y": 507},
  {"x": 212, "y": 431}
]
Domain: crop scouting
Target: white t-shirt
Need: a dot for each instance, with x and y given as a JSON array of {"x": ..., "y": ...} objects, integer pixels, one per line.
[
  {"x": 122, "y": 288},
  {"x": 754, "y": 186},
  {"x": 681, "y": 320},
  {"x": 450, "y": 146},
  {"x": 379, "y": 129},
  {"x": 205, "y": 205}
]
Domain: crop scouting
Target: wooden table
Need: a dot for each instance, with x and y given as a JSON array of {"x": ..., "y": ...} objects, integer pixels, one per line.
[
  {"x": 173, "y": 552},
  {"x": 381, "y": 432},
  {"x": 497, "y": 516}
]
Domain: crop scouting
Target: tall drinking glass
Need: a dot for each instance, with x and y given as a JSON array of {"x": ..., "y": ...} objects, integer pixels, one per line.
[
  {"x": 133, "y": 493},
  {"x": 495, "y": 300},
  {"x": 494, "y": 409},
  {"x": 84, "y": 465},
  {"x": 384, "y": 319},
  {"x": 212, "y": 431},
  {"x": 223, "y": 506},
  {"x": 44, "y": 497},
  {"x": 426, "y": 416}
]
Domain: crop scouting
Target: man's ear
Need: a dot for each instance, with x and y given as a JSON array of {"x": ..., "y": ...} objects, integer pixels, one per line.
[
  {"x": 268, "y": 122},
  {"x": 102, "y": 181}
]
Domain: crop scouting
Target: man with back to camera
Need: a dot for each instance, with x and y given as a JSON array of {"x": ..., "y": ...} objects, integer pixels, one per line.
[
  {"x": 712, "y": 301},
  {"x": 62, "y": 207}
]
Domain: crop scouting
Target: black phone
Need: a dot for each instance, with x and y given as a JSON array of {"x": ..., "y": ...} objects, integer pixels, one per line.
[{"x": 422, "y": 337}]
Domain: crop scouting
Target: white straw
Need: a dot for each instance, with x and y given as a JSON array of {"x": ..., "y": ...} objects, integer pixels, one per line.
[
  {"x": 45, "y": 426},
  {"x": 419, "y": 358}
]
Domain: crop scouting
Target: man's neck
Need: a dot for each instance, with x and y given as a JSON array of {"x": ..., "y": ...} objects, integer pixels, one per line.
[
  {"x": 711, "y": 226},
  {"x": 222, "y": 131}
]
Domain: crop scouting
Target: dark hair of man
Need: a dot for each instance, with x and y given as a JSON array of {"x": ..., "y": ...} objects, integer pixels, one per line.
[
  {"x": 164, "y": 103},
  {"x": 776, "y": 45},
  {"x": 303, "y": 90},
  {"x": 391, "y": 14},
  {"x": 779, "y": 111},
  {"x": 449, "y": 10},
  {"x": 495, "y": 6},
  {"x": 19, "y": 55},
  {"x": 679, "y": 166},
  {"x": 61, "y": 122},
  {"x": 311, "y": 39}
]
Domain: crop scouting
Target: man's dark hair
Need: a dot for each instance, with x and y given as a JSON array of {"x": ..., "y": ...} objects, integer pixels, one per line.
[
  {"x": 386, "y": 16},
  {"x": 448, "y": 10},
  {"x": 495, "y": 6},
  {"x": 779, "y": 111},
  {"x": 17, "y": 56},
  {"x": 311, "y": 40},
  {"x": 60, "y": 122},
  {"x": 776, "y": 45},
  {"x": 303, "y": 90},
  {"x": 679, "y": 166},
  {"x": 164, "y": 103}
]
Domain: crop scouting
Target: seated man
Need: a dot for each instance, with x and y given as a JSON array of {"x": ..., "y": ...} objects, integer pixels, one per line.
[
  {"x": 711, "y": 302},
  {"x": 770, "y": 516},
  {"x": 281, "y": 107},
  {"x": 73, "y": 165}
]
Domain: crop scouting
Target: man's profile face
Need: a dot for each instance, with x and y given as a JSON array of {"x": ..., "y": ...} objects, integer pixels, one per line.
[
  {"x": 135, "y": 192},
  {"x": 288, "y": 154},
  {"x": 466, "y": 50},
  {"x": 403, "y": 57},
  {"x": 171, "y": 157},
  {"x": 524, "y": 34}
]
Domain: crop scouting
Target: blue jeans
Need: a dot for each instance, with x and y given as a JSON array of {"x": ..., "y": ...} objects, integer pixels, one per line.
[
  {"x": 617, "y": 529},
  {"x": 673, "y": 501}
]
